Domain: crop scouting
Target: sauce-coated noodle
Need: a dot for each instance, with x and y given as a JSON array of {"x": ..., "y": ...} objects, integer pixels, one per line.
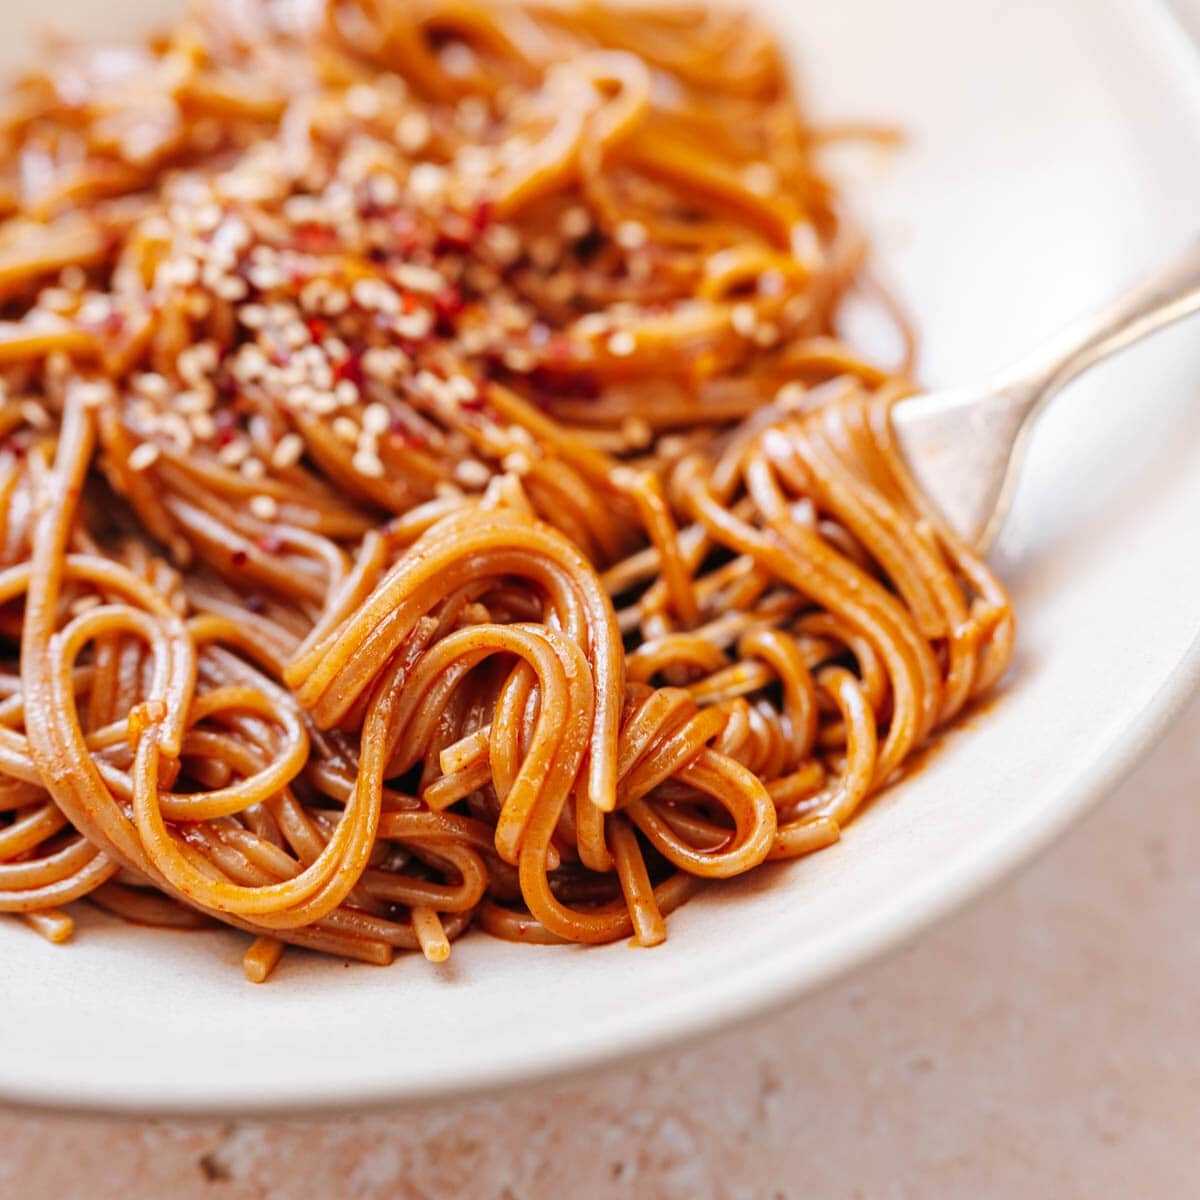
[{"x": 433, "y": 490}]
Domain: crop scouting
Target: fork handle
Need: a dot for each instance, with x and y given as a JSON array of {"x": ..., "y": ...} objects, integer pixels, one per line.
[{"x": 1169, "y": 294}]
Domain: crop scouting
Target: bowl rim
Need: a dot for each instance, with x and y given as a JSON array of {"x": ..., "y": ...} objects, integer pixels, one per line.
[{"x": 762, "y": 987}]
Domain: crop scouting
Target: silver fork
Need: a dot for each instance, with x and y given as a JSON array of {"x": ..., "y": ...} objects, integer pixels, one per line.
[{"x": 964, "y": 446}]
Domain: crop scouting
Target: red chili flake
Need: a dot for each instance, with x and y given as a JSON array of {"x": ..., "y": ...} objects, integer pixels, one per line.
[
  {"x": 113, "y": 324},
  {"x": 447, "y": 306},
  {"x": 349, "y": 368},
  {"x": 481, "y": 218},
  {"x": 522, "y": 928},
  {"x": 239, "y": 558},
  {"x": 270, "y": 543},
  {"x": 583, "y": 385},
  {"x": 400, "y": 435},
  {"x": 317, "y": 328},
  {"x": 312, "y": 236},
  {"x": 226, "y": 426},
  {"x": 405, "y": 230},
  {"x": 550, "y": 381},
  {"x": 457, "y": 232}
]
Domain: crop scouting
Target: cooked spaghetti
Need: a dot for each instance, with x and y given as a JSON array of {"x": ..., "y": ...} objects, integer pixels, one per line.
[{"x": 433, "y": 491}]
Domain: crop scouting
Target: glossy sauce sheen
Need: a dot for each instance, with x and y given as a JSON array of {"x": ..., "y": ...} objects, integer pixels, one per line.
[{"x": 432, "y": 489}]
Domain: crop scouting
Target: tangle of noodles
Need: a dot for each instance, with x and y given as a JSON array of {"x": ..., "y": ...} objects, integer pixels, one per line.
[{"x": 433, "y": 491}]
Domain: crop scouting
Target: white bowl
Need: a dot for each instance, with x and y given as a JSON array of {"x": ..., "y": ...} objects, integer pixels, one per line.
[{"x": 1055, "y": 152}]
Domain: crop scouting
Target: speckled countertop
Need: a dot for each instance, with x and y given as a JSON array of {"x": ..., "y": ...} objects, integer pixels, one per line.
[{"x": 1044, "y": 1043}]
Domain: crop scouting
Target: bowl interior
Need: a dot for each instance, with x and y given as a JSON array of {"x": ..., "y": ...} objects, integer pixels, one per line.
[{"x": 1054, "y": 152}]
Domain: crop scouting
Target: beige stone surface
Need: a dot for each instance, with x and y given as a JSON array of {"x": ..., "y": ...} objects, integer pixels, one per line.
[{"x": 1044, "y": 1043}]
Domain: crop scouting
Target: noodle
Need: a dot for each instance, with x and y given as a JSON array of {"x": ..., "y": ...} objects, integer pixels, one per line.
[{"x": 433, "y": 490}]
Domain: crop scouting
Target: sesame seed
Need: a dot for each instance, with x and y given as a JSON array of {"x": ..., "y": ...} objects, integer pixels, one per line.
[
  {"x": 744, "y": 319},
  {"x": 575, "y": 222},
  {"x": 345, "y": 393},
  {"x": 622, "y": 343},
  {"x": 376, "y": 418},
  {"x": 206, "y": 218},
  {"x": 265, "y": 277},
  {"x": 472, "y": 113},
  {"x": 383, "y": 363},
  {"x": 345, "y": 429},
  {"x": 183, "y": 271},
  {"x": 197, "y": 305},
  {"x": 313, "y": 294},
  {"x": 194, "y": 401},
  {"x": 791, "y": 395},
  {"x": 363, "y": 101},
  {"x": 93, "y": 393},
  {"x": 593, "y": 324},
  {"x": 767, "y": 334},
  {"x": 287, "y": 451},
  {"x": 427, "y": 181},
  {"x": 415, "y": 325},
  {"x": 457, "y": 59},
  {"x": 230, "y": 287},
  {"x": 177, "y": 429},
  {"x": 384, "y": 190},
  {"x": 797, "y": 309},
  {"x": 57, "y": 300},
  {"x": 630, "y": 235},
  {"x": 367, "y": 293},
  {"x": 637, "y": 432},
  {"x": 472, "y": 473},
  {"x": 504, "y": 242},
  {"x": 336, "y": 303},
  {"x": 368, "y": 464},
  {"x": 517, "y": 461},
  {"x": 142, "y": 456},
  {"x": 253, "y": 468},
  {"x": 264, "y": 507},
  {"x": 203, "y": 426},
  {"x": 34, "y": 414},
  {"x": 520, "y": 358},
  {"x": 462, "y": 388},
  {"x": 771, "y": 283},
  {"x": 152, "y": 384},
  {"x": 419, "y": 279},
  {"x": 413, "y": 131},
  {"x": 235, "y": 452},
  {"x": 295, "y": 334}
]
